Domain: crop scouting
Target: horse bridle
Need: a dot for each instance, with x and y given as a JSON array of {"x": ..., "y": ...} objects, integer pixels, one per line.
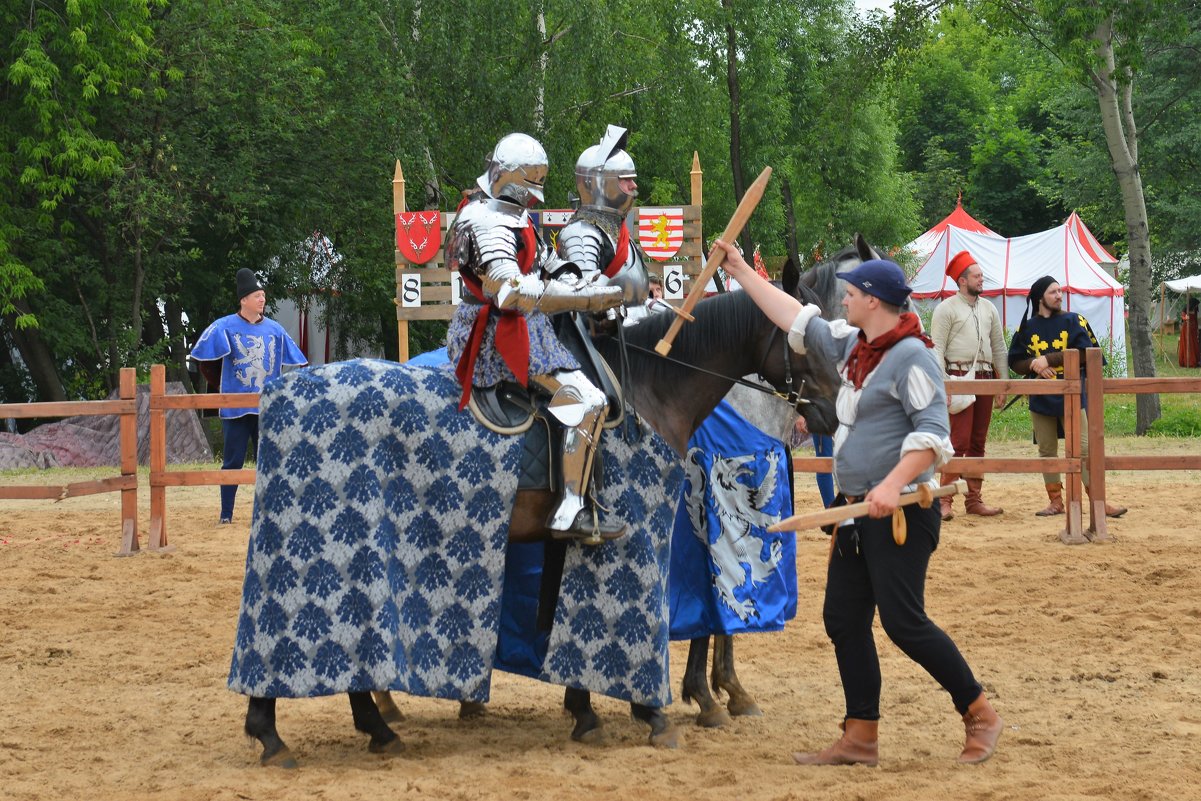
[{"x": 793, "y": 397}]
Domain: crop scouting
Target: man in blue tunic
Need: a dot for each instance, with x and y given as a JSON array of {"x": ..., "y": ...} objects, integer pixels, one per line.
[{"x": 241, "y": 352}]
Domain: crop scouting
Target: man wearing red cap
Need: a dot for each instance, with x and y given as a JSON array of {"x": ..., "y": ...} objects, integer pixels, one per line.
[{"x": 968, "y": 340}]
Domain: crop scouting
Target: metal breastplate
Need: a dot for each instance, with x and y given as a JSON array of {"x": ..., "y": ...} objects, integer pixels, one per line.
[
  {"x": 590, "y": 241},
  {"x": 485, "y": 231}
]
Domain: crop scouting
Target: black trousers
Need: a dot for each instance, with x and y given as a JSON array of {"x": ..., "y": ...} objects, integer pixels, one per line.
[{"x": 871, "y": 571}]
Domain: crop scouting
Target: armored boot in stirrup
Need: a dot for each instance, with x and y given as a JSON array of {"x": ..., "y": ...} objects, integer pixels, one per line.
[{"x": 581, "y": 408}]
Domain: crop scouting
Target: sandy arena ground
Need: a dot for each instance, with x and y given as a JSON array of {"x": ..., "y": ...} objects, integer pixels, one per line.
[{"x": 114, "y": 674}]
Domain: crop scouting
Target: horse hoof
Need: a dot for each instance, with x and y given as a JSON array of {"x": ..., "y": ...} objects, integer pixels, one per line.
[
  {"x": 594, "y": 736},
  {"x": 668, "y": 738},
  {"x": 391, "y": 748},
  {"x": 714, "y": 718},
  {"x": 744, "y": 709},
  {"x": 470, "y": 710},
  {"x": 280, "y": 759}
]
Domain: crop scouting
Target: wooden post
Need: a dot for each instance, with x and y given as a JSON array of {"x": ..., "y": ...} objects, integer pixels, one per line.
[
  {"x": 128, "y": 390},
  {"x": 696, "y": 174},
  {"x": 157, "y": 540},
  {"x": 1072, "y": 534},
  {"x": 697, "y": 201},
  {"x": 398, "y": 206},
  {"x": 1095, "y": 390}
]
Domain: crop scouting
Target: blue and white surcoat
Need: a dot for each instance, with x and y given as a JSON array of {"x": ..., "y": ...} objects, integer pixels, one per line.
[{"x": 251, "y": 354}]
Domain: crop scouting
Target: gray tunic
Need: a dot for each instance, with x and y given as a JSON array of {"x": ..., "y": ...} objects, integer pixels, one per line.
[{"x": 902, "y": 406}]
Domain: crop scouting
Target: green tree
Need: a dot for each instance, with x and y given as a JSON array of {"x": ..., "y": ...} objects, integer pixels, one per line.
[
  {"x": 63, "y": 64},
  {"x": 1106, "y": 44}
]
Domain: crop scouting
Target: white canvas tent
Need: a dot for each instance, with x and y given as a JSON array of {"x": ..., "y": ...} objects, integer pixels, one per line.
[
  {"x": 1185, "y": 286},
  {"x": 1011, "y": 265},
  {"x": 1092, "y": 247},
  {"x": 1169, "y": 309},
  {"x": 303, "y": 312}
]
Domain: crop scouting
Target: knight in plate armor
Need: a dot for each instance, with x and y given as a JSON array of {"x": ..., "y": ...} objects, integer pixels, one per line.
[
  {"x": 502, "y": 330},
  {"x": 597, "y": 238}
]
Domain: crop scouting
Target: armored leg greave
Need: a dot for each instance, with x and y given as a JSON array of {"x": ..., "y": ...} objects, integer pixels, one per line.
[{"x": 581, "y": 408}]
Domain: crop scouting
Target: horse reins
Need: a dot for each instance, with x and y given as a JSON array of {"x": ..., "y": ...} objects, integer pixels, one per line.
[{"x": 793, "y": 397}]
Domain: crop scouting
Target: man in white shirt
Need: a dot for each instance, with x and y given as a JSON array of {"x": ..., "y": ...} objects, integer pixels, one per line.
[{"x": 968, "y": 339}]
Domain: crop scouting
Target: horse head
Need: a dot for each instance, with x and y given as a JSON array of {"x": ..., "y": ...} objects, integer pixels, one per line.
[
  {"x": 822, "y": 279},
  {"x": 814, "y": 381}
]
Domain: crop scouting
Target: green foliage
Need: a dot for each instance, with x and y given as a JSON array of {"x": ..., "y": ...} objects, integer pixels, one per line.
[
  {"x": 970, "y": 122},
  {"x": 150, "y": 149}
]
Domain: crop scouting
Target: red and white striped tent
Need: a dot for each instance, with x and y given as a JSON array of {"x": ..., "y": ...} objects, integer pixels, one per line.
[
  {"x": 1089, "y": 242},
  {"x": 924, "y": 245},
  {"x": 1012, "y": 264}
]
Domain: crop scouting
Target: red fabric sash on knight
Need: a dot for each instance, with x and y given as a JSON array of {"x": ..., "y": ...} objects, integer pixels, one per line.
[
  {"x": 867, "y": 355},
  {"x": 512, "y": 334},
  {"x": 621, "y": 251}
]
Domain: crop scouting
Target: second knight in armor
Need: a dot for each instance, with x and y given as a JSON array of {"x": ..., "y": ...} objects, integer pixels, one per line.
[
  {"x": 597, "y": 238},
  {"x": 501, "y": 331}
]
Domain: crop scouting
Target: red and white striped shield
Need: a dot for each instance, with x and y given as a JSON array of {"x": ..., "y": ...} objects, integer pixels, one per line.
[
  {"x": 661, "y": 231},
  {"x": 418, "y": 235}
]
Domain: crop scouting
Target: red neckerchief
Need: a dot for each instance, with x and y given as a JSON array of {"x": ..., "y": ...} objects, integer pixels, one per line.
[
  {"x": 622, "y": 251},
  {"x": 512, "y": 336},
  {"x": 867, "y": 355}
]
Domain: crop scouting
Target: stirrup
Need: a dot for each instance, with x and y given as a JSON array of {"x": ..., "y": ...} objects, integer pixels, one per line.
[{"x": 588, "y": 529}]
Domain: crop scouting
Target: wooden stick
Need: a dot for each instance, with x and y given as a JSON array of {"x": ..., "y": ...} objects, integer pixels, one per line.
[
  {"x": 741, "y": 214},
  {"x": 837, "y": 514},
  {"x": 398, "y": 206}
]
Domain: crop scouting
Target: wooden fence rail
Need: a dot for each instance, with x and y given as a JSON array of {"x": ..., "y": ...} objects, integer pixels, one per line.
[
  {"x": 126, "y": 407},
  {"x": 1076, "y": 414},
  {"x": 160, "y": 476},
  {"x": 1077, "y": 411}
]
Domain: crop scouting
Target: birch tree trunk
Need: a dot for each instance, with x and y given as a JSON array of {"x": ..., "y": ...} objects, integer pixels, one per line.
[{"x": 1114, "y": 93}]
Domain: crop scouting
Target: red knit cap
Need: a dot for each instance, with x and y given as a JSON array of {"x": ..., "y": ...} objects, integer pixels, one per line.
[{"x": 961, "y": 262}]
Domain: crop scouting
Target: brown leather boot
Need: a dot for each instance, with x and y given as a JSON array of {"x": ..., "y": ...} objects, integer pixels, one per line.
[
  {"x": 1055, "y": 507},
  {"x": 1110, "y": 509},
  {"x": 856, "y": 746},
  {"x": 972, "y": 501},
  {"x": 982, "y": 726},
  {"x": 946, "y": 504}
]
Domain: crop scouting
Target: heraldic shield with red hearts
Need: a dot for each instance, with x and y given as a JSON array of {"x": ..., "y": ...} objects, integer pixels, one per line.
[{"x": 418, "y": 235}]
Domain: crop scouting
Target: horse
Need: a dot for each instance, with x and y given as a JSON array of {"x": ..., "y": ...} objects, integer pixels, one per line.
[
  {"x": 351, "y": 586},
  {"x": 775, "y": 417}
]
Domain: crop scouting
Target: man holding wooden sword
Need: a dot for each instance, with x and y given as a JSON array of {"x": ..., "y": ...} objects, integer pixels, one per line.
[{"x": 893, "y": 434}]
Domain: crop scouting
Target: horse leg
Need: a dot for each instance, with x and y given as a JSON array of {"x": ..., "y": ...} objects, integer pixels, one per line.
[
  {"x": 368, "y": 720},
  {"x": 260, "y": 724},
  {"x": 470, "y": 710},
  {"x": 664, "y": 734},
  {"x": 388, "y": 709},
  {"x": 695, "y": 688},
  {"x": 587, "y": 724},
  {"x": 724, "y": 678}
]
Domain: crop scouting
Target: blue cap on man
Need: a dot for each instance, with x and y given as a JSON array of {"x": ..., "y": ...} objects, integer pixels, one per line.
[{"x": 880, "y": 278}]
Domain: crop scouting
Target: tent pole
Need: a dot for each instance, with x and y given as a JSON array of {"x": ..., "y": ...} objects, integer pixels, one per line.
[{"x": 1162, "y": 308}]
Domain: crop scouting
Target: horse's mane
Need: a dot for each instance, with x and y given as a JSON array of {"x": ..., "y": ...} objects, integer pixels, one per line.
[{"x": 720, "y": 320}]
